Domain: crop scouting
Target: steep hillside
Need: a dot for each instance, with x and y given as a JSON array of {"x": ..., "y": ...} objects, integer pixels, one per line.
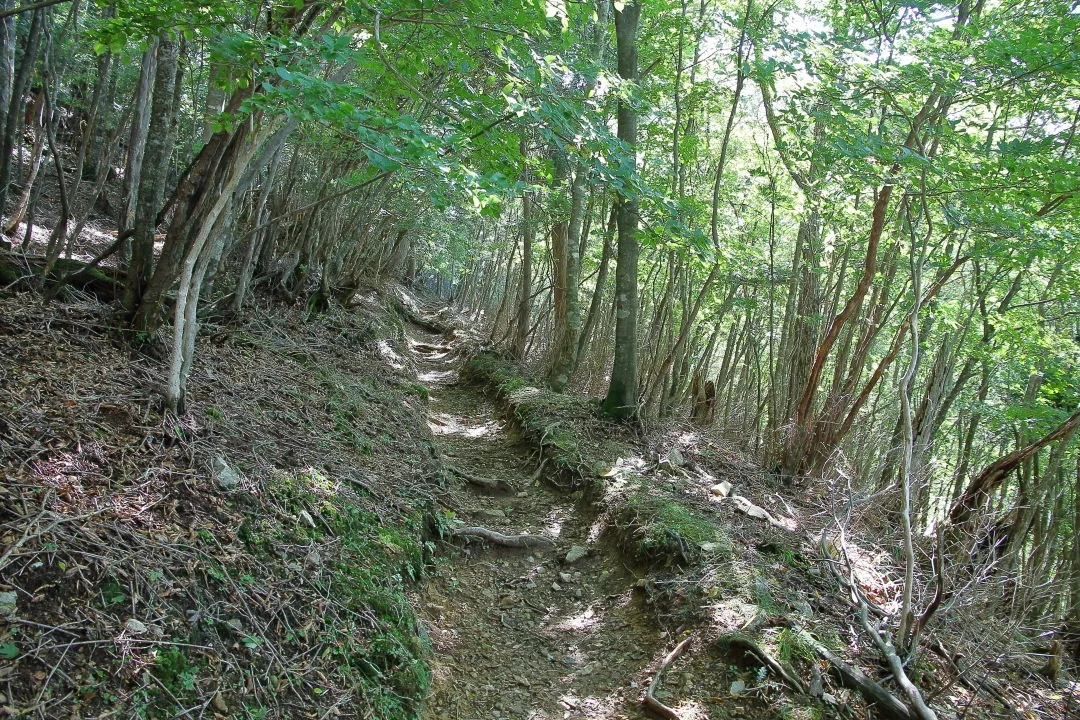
[{"x": 248, "y": 559}]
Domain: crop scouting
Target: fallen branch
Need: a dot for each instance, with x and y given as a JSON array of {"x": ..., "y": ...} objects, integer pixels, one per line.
[
  {"x": 650, "y": 701},
  {"x": 784, "y": 673},
  {"x": 747, "y": 507},
  {"x": 513, "y": 541},
  {"x": 855, "y": 679},
  {"x": 918, "y": 709},
  {"x": 492, "y": 484},
  {"x": 885, "y": 646}
]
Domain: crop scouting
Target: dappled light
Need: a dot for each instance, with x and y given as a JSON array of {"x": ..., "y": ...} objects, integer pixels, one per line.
[
  {"x": 503, "y": 360},
  {"x": 446, "y": 424}
]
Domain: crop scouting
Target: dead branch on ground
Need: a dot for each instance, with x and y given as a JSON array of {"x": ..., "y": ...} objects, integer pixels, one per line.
[{"x": 513, "y": 541}]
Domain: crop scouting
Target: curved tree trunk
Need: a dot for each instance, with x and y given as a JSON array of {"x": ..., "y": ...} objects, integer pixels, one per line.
[{"x": 978, "y": 491}]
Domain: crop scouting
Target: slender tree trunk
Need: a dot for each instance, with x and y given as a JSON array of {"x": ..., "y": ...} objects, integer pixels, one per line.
[
  {"x": 19, "y": 86},
  {"x": 528, "y": 230},
  {"x": 140, "y": 125},
  {"x": 151, "y": 187},
  {"x": 621, "y": 398},
  {"x": 568, "y": 323},
  {"x": 7, "y": 75},
  {"x": 600, "y": 287}
]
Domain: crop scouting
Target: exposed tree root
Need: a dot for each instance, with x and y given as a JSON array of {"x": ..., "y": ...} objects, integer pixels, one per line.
[
  {"x": 855, "y": 679},
  {"x": 650, "y": 701},
  {"x": 490, "y": 484},
  {"x": 782, "y": 671},
  {"x": 513, "y": 541}
]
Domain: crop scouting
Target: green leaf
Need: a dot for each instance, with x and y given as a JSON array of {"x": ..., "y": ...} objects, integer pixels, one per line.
[{"x": 9, "y": 651}]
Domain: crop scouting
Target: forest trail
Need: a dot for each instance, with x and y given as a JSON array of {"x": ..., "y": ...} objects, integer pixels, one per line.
[{"x": 523, "y": 634}]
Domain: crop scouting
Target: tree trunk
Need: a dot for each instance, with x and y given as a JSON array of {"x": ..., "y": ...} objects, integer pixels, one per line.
[
  {"x": 568, "y": 322},
  {"x": 19, "y": 86},
  {"x": 621, "y": 398},
  {"x": 7, "y": 73},
  {"x": 151, "y": 186},
  {"x": 521, "y": 322},
  {"x": 140, "y": 125},
  {"x": 993, "y": 475}
]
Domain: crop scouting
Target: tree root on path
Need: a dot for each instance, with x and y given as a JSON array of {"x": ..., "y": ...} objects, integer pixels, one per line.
[
  {"x": 513, "y": 541},
  {"x": 785, "y": 673},
  {"x": 650, "y": 701},
  {"x": 855, "y": 679},
  {"x": 491, "y": 484}
]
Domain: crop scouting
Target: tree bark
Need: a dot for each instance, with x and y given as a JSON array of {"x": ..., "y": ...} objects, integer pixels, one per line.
[
  {"x": 621, "y": 398},
  {"x": 993, "y": 475},
  {"x": 151, "y": 187},
  {"x": 140, "y": 125},
  {"x": 568, "y": 312},
  {"x": 19, "y": 86},
  {"x": 521, "y": 323}
]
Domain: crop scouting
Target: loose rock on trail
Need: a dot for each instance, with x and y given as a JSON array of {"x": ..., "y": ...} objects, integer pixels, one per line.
[{"x": 533, "y": 633}]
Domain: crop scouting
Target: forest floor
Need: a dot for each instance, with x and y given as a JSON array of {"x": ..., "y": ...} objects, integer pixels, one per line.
[{"x": 535, "y": 634}]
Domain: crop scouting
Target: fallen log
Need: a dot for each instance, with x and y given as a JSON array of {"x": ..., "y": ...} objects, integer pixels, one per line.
[
  {"x": 497, "y": 538},
  {"x": 104, "y": 282}
]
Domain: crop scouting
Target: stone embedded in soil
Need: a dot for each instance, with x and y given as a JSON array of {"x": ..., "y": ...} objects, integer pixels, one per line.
[
  {"x": 135, "y": 627},
  {"x": 722, "y": 489},
  {"x": 576, "y": 553},
  {"x": 227, "y": 477},
  {"x": 8, "y": 603},
  {"x": 675, "y": 458}
]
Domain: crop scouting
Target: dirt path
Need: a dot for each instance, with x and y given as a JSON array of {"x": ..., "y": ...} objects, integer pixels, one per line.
[{"x": 523, "y": 634}]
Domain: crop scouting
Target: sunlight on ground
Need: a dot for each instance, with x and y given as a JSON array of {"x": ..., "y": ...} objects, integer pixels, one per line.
[
  {"x": 438, "y": 376},
  {"x": 392, "y": 358},
  {"x": 581, "y": 621},
  {"x": 691, "y": 710},
  {"x": 870, "y": 572},
  {"x": 553, "y": 523},
  {"x": 446, "y": 424},
  {"x": 732, "y": 614}
]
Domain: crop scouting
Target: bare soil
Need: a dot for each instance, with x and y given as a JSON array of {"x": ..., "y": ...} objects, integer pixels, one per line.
[{"x": 522, "y": 633}]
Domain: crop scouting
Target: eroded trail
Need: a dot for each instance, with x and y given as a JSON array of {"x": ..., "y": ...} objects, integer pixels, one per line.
[{"x": 524, "y": 633}]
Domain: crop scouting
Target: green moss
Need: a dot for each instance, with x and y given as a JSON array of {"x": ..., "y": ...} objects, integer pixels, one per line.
[
  {"x": 418, "y": 390},
  {"x": 658, "y": 529},
  {"x": 497, "y": 371}
]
